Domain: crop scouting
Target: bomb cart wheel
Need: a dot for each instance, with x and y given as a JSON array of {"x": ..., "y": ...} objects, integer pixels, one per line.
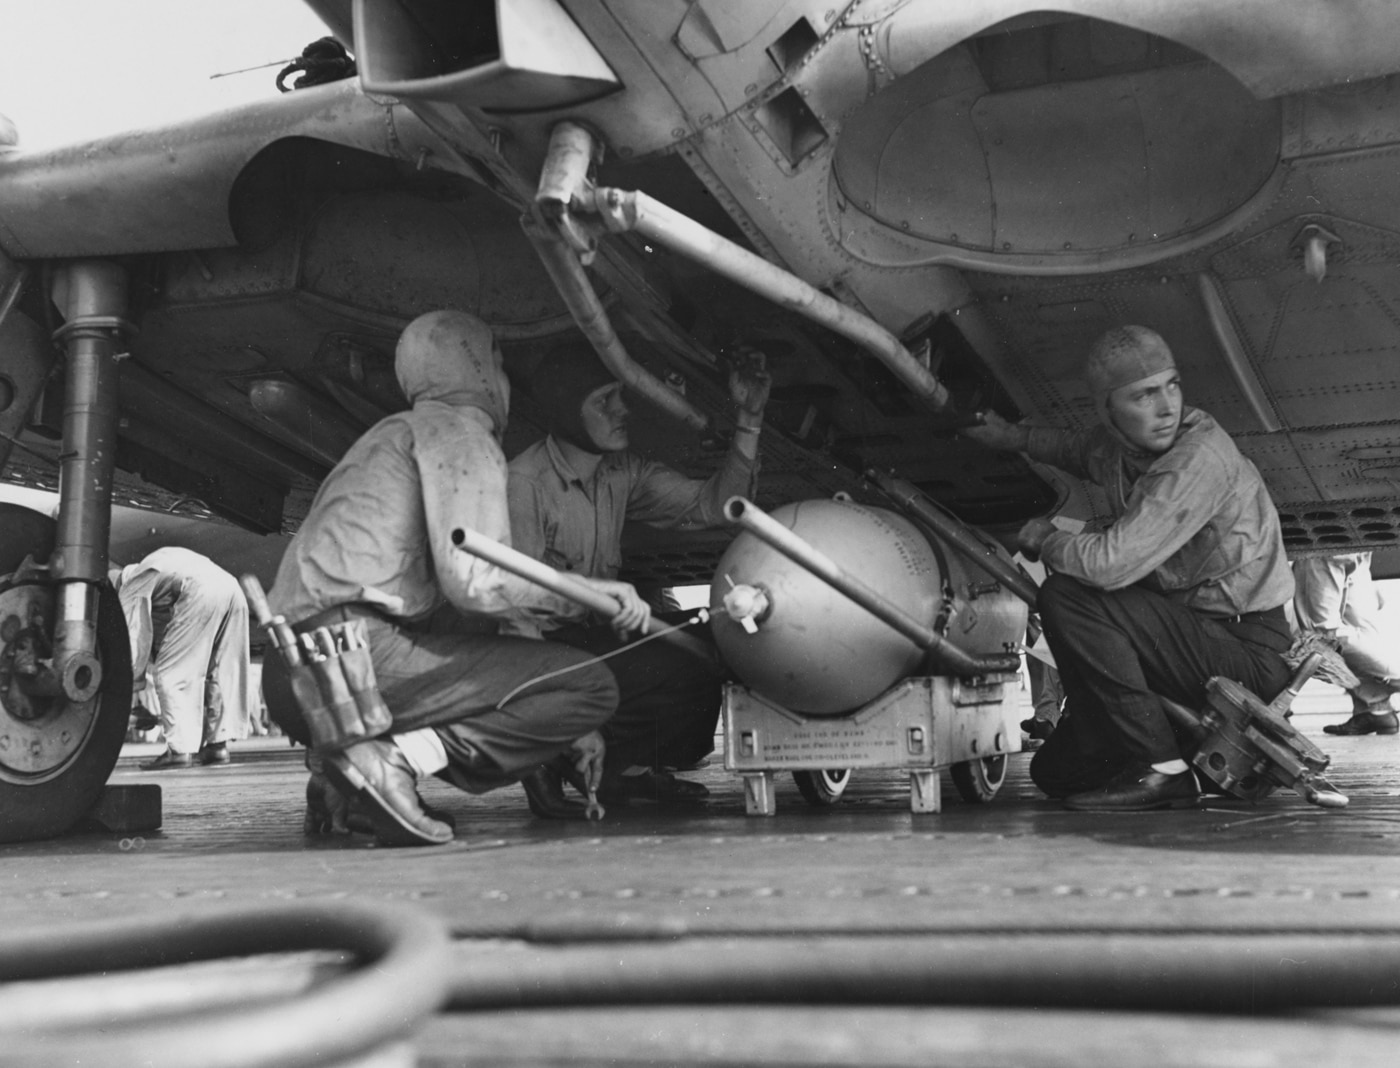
[
  {"x": 823, "y": 787},
  {"x": 55, "y": 754},
  {"x": 979, "y": 780}
]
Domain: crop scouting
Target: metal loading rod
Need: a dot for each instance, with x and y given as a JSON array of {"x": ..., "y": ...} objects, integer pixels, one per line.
[
  {"x": 918, "y": 505},
  {"x": 532, "y": 570},
  {"x": 760, "y": 524}
]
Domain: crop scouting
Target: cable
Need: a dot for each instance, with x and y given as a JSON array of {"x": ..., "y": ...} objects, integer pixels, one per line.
[{"x": 699, "y": 617}]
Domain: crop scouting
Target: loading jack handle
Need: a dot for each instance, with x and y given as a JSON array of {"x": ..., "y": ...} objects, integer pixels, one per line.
[
  {"x": 277, "y": 628},
  {"x": 1284, "y": 701},
  {"x": 541, "y": 574}
]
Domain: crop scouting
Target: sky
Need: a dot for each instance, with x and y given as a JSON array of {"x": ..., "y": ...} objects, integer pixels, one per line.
[{"x": 75, "y": 69}]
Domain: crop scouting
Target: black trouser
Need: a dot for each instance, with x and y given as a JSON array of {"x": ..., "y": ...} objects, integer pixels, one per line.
[
  {"x": 668, "y": 700},
  {"x": 1116, "y": 652}
]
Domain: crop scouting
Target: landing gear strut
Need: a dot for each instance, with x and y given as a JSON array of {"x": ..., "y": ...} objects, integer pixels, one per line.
[{"x": 65, "y": 663}]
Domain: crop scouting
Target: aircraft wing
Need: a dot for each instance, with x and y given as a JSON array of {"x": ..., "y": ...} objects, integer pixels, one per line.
[{"x": 989, "y": 184}]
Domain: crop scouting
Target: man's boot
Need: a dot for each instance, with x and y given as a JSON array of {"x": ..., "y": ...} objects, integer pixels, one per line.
[
  {"x": 544, "y": 789},
  {"x": 377, "y": 775}
]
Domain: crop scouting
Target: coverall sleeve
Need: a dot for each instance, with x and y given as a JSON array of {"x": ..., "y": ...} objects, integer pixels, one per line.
[
  {"x": 1165, "y": 510},
  {"x": 135, "y": 597},
  {"x": 665, "y": 498},
  {"x": 1070, "y": 452},
  {"x": 464, "y": 486},
  {"x": 1321, "y": 593},
  {"x": 530, "y": 532}
]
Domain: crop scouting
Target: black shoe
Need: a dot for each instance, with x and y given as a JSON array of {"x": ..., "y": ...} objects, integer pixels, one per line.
[
  {"x": 1038, "y": 729},
  {"x": 1137, "y": 788},
  {"x": 167, "y": 761},
  {"x": 214, "y": 753},
  {"x": 375, "y": 773},
  {"x": 544, "y": 789},
  {"x": 1366, "y": 723},
  {"x": 660, "y": 787},
  {"x": 328, "y": 810}
]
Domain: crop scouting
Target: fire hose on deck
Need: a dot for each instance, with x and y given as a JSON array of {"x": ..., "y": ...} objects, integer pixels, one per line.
[
  {"x": 318, "y": 1012},
  {"x": 399, "y": 978}
]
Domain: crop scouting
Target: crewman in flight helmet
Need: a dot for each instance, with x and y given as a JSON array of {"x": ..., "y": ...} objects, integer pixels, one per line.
[
  {"x": 1188, "y": 581},
  {"x": 473, "y": 707}
]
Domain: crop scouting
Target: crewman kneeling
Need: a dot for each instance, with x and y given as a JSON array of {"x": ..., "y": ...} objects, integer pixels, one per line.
[
  {"x": 1189, "y": 581},
  {"x": 478, "y": 709}
]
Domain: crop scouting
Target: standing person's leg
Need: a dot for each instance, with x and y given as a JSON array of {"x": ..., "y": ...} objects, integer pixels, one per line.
[
  {"x": 1047, "y": 697},
  {"x": 1373, "y": 654},
  {"x": 228, "y": 696},
  {"x": 179, "y": 670}
]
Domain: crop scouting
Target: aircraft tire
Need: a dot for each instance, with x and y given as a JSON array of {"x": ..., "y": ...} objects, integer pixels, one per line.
[
  {"x": 823, "y": 787},
  {"x": 979, "y": 780},
  {"x": 44, "y": 802}
]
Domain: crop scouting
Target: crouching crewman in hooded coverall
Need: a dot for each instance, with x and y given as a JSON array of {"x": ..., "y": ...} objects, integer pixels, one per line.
[{"x": 377, "y": 546}]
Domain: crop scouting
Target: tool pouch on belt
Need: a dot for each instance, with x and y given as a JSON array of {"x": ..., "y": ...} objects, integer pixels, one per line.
[
  {"x": 331, "y": 675},
  {"x": 346, "y": 706}
]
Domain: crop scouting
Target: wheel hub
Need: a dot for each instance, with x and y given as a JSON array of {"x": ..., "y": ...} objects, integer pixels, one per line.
[{"x": 39, "y": 732}]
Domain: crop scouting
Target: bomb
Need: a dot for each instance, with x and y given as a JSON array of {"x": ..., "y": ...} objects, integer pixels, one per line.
[{"x": 792, "y": 637}]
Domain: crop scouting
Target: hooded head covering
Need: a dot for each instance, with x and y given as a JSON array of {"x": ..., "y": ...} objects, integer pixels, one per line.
[
  {"x": 563, "y": 380},
  {"x": 447, "y": 356}
]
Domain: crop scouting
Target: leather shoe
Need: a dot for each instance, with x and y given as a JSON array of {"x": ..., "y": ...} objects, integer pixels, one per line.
[
  {"x": 1137, "y": 788},
  {"x": 214, "y": 753},
  {"x": 661, "y": 787},
  {"x": 167, "y": 761},
  {"x": 1037, "y": 729},
  {"x": 544, "y": 789},
  {"x": 328, "y": 811},
  {"x": 1366, "y": 723},
  {"x": 377, "y": 775}
]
